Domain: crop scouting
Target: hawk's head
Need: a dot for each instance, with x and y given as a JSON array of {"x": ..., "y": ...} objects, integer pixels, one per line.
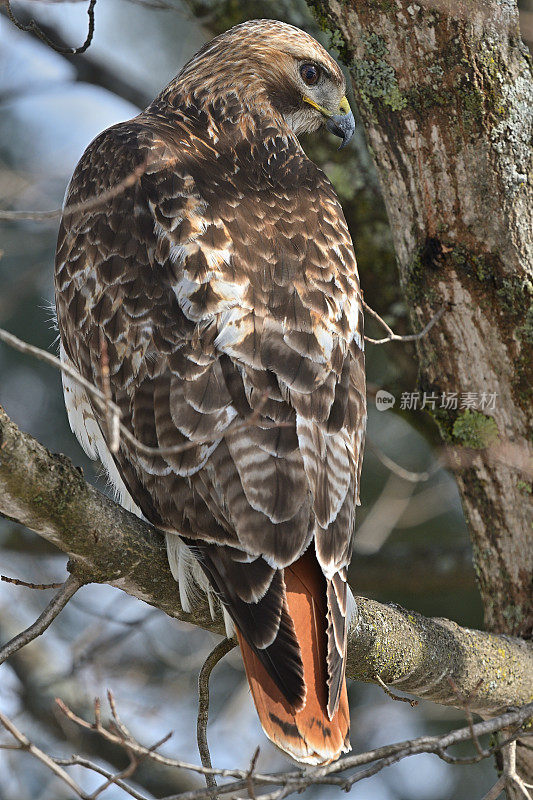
[{"x": 270, "y": 66}]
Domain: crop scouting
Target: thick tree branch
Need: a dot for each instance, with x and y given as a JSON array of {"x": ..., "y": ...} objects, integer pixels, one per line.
[{"x": 48, "y": 494}]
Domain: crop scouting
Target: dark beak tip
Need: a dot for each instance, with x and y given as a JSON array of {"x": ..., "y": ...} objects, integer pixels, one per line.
[{"x": 343, "y": 126}]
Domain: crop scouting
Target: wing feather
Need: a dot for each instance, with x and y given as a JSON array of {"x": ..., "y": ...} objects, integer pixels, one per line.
[{"x": 225, "y": 295}]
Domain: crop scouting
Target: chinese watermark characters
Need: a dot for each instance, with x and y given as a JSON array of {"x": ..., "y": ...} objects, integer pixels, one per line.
[{"x": 451, "y": 401}]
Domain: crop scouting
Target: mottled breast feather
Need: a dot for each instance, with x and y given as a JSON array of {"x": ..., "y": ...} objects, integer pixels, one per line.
[{"x": 223, "y": 284}]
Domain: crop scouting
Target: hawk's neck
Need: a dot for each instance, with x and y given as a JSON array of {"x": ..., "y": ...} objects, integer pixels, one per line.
[{"x": 225, "y": 119}]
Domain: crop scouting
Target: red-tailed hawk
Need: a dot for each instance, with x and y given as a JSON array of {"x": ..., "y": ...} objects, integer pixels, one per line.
[{"x": 222, "y": 285}]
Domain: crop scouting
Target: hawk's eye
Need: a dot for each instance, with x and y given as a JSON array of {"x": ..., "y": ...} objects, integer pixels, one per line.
[{"x": 310, "y": 73}]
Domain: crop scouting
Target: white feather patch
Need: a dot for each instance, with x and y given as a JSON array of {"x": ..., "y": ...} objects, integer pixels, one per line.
[
  {"x": 351, "y": 609},
  {"x": 228, "y": 624},
  {"x": 187, "y": 572}
]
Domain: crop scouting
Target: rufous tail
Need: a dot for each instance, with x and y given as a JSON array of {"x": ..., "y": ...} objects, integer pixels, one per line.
[{"x": 306, "y": 734}]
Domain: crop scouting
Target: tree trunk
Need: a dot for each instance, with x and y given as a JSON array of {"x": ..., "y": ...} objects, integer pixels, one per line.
[{"x": 445, "y": 92}]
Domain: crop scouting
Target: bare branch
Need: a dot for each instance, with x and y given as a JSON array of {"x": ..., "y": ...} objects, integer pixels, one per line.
[
  {"x": 112, "y": 778},
  {"x": 74, "y": 208},
  {"x": 54, "y": 607},
  {"x": 41, "y": 586},
  {"x": 393, "y": 696},
  {"x": 211, "y": 661},
  {"x": 465, "y": 701},
  {"x": 288, "y": 783},
  {"x": 395, "y": 337},
  {"x": 25, "y": 744},
  {"x": 120, "y": 735},
  {"x": 117, "y": 778},
  {"x": 401, "y": 472},
  {"x": 496, "y": 790},
  {"x": 294, "y": 781},
  {"x": 510, "y": 779},
  {"x": 32, "y": 27},
  {"x": 250, "y": 774}
]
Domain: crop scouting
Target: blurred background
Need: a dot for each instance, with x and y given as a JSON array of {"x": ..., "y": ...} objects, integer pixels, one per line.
[{"x": 412, "y": 547}]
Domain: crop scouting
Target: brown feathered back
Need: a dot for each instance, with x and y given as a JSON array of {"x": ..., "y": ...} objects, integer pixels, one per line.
[{"x": 223, "y": 282}]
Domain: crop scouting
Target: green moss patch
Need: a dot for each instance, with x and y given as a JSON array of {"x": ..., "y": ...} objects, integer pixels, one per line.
[{"x": 475, "y": 430}]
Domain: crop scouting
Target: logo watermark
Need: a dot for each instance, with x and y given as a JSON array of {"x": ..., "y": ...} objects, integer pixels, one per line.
[
  {"x": 451, "y": 401},
  {"x": 384, "y": 400}
]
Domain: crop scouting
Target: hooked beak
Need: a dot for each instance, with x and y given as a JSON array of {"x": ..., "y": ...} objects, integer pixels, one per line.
[{"x": 341, "y": 124}]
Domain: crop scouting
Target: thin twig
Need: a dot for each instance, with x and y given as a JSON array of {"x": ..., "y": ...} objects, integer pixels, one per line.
[
  {"x": 25, "y": 744},
  {"x": 395, "y": 337},
  {"x": 117, "y": 777},
  {"x": 485, "y": 753},
  {"x": 465, "y": 703},
  {"x": 78, "y": 761},
  {"x": 101, "y": 402},
  {"x": 41, "y": 586},
  {"x": 120, "y": 735},
  {"x": 48, "y": 358},
  {"x": 393, "y": 696},
  {"x": 120, "y": 727},
  {"x": 54, "y": 607},
  {"x": 83, "y": 205},
  {"x": 125, "y": 738},
  {"x": 401, "y": 472},
  {"x": 250, "y": 775},
  {"x": 212, "y": 659},
  {"x": 32, "y": 27},
  {"x": 290, "y": 782}
]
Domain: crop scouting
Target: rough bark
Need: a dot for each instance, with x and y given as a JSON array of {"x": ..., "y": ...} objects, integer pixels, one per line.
[
  {"x": 48, "y": 494},
  {"x": 445, "y": 93}
]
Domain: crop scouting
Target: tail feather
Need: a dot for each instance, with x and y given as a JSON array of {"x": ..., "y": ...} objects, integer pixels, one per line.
[
  {"x": 337, "y": 598},
  {"x": 306, "y": 732}
]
